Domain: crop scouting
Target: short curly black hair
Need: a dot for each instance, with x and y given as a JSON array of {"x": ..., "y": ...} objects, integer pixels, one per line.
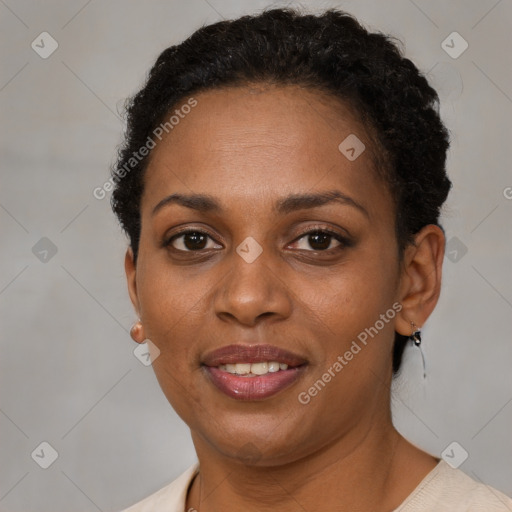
[{"x": 331, "y": 52}]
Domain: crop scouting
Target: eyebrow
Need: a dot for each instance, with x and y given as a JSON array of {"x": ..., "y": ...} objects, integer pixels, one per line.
[{"x": 206, "y": 203}]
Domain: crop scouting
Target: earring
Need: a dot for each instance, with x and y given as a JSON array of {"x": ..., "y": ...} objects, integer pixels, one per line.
[
  {"x": 137, "y": 332},
  {"x": 415, "y": 337}
]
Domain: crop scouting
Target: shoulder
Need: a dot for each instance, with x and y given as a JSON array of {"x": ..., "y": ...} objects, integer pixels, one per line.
[
  {"x": 171, "y": 497},
  {"x": 446, "y": 489}
]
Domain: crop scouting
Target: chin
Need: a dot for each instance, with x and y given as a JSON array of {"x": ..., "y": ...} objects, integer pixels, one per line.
[{"x": 255, "y": 440}]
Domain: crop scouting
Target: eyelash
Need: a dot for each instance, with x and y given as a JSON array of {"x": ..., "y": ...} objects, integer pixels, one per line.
[{"x": 343, "y": 241}]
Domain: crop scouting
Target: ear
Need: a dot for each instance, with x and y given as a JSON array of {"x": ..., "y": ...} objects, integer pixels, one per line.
[
  {"x": 131, "y": 273},
  {"x": 420, "y": 282}
]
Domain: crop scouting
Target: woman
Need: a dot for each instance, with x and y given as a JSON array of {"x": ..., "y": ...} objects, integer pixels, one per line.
[{"x": 280, "y": 184}]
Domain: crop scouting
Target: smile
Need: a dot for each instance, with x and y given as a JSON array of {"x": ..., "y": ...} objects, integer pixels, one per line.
[{"x": 252, "y": 372}]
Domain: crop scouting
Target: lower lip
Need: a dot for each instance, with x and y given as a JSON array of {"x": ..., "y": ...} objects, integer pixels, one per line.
[{"x": 253, "y": 388}]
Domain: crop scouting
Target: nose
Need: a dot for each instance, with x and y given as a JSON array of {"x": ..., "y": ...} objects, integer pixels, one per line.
[{"x": 252, "y": 291}]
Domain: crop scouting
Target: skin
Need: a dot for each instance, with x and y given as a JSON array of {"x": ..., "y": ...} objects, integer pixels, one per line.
[{"x": 249, "y": 147}]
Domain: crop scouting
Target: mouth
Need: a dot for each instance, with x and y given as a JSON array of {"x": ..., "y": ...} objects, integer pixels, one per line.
[{"x": 252, "y": 372}]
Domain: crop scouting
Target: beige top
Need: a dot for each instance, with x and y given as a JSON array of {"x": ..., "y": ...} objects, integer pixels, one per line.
[{"x": 444, "y": 489}]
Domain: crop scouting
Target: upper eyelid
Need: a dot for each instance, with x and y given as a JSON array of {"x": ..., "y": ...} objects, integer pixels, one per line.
[
  {"x": 323, "y": 228},
  {"x": 167, "y": 240},
  {"x": 307, "y": 230}
]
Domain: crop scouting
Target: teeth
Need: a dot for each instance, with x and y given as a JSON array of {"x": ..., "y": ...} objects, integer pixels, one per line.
[
  {"x": 253, "y": 369},
  {"x": 273, "y": 367},
  {"x": 259, "y": 368},
  {"x": 243, "y": 368}
]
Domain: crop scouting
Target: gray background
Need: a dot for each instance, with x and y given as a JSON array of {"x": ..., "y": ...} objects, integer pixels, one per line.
[{"x": 68, "y": 373}]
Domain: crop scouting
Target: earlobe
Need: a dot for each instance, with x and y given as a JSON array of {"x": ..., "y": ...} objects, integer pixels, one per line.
[
  {"x": 420, "y": 284},
  {"x": 137, "y": 332}
]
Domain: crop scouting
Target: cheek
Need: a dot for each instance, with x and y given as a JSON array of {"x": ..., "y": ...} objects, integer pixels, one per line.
[
  {"x": 364, "y": 289},
  {"x": 165, "y": 291},
  {"x": 357, "y": 311},
  {"x": 168, "y": 303},
  {"x": 355, "y": 346},
  {"x": 172, "y": 311}
]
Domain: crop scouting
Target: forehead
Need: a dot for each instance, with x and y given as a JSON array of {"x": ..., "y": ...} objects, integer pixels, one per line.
[{"x": 259, "y": 141}]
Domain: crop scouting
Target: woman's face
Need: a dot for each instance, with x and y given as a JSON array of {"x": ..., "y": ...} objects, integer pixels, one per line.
[{"x": 250, "y": 275}]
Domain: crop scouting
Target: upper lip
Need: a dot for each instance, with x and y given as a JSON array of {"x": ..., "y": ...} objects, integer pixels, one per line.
[{"x": 232, "y": 354}]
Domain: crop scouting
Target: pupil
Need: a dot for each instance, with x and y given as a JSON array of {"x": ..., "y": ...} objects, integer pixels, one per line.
[
  {"x": 194, "y": 241},
  {"x": 321, "y": 240}
]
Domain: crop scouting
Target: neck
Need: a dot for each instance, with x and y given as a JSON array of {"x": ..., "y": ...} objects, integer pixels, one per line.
[{"x": 378, "y": 474}]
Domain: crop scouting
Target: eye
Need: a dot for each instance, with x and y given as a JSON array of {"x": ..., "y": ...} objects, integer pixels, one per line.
[
  {"x": 320, "y": 240},
  {"x": 192, "y": 240}
]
